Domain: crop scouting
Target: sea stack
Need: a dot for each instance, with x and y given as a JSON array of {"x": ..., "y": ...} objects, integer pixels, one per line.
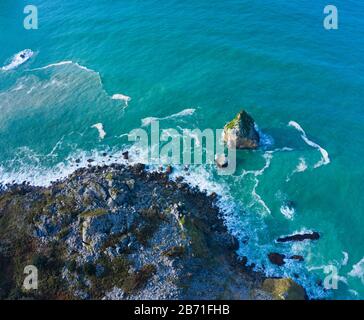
[{"x": 241, "y": 133}]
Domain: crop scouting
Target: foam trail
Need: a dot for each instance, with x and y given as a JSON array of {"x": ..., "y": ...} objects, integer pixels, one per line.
[
  {"x": 121, "y": 97},
  {"x": 345, "y": 259},
  {"x": 268, "y": 157},
  {"x": 287, "y": 212},
  {"x": 183, "y": 113},
  {"x": 18, "y": 59},
  {"x": 59, "y": 143},
  {"x": 70, "y": 62},
  {"x": 191, "y": 135},
  {"x": 358, "y": 270},
  {"x": 100, "y": 129},
  {"x": 325, "y": 155},
  {"x": 63, "y": 63},
  {"x": 353, "y": 292},
  {"x": 301, "y": 167}
]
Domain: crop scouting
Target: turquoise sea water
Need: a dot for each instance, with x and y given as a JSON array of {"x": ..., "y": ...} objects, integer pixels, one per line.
[{"x": 273, "y": 58}]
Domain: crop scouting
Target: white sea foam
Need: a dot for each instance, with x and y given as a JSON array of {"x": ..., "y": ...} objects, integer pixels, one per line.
[
  {"x": 63, "y": 63},
  {"x": 100, "y": 129},
  {"x": 18, "y": 59},
  {"x": 358, "y": 270},
  {"x": 256, "y": 173},
  {"x": 121, "y": 97},
  {"x": 183, "y": 113},
  {"x": 325, "y": 155},
  {"x": 345, "y": 260},
  {"x": 268, "y": 156},
  {"x": 354, "y": 293},
  {"x": 265, "y": 139},
  {"x": 57, "y": 146},
  {"x": 301, "y": 167},
  {"x": 287, "y": 211},
  {"x": 69, "y": 62}
]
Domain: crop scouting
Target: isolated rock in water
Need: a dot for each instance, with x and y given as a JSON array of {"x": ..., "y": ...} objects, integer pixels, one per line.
[
  {"x": 297, "y": 258},
  {"x": 276, "y": 258},
  {"x": 284, "y": 289},
  {"x": 241, "y": 132},
  {"x": 221, "y": 161},
  {"x": 300, "y": 237}
]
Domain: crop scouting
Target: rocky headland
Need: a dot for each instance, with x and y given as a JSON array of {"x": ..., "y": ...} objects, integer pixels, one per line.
[{"x": 123, "y": 232}]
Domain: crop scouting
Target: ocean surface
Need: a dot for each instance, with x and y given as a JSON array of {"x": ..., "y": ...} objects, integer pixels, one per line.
[{"x": 195, "y": 64}]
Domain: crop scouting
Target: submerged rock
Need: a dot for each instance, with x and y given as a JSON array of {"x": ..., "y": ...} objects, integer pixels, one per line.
[{"x": 241, "y": 132}]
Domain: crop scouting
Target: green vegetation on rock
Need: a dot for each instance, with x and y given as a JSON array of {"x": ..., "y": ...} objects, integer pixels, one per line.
[{"x": 284, "y": 289}]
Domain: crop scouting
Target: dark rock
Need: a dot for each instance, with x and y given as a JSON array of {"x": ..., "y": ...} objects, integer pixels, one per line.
[
  {"x": 169, "y": 170},
  {"x": 221, "y": 161},
  {"x": 114, "y": 222},
  {"x": 234, "y": 243},
  {"x": 126, "y": 155},
  {"x": 138, "y": 168},
  {"x": 277, "y": 258},
  {"x": 300, "y": 237},
  {"x": 297, "y": 257},
  {"x": 213, "y": 195}
]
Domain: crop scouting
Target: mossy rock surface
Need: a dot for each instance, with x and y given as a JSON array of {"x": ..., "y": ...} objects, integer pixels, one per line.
[
  {"x": 241, "y": 133},
  {"x": 284, "y": 289}
]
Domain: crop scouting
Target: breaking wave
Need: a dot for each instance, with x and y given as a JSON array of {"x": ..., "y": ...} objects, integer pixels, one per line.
[{"x": 183, "y": 113}]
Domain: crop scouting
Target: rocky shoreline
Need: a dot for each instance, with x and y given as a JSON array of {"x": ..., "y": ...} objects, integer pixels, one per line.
[{"x": 122, "y": 232}]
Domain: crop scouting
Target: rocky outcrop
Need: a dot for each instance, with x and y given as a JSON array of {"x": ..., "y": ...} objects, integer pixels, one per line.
[
  {"x": 120, "y": 232},
  {"x": 241, "y": 132},
  {"x": 284, "y": 289},
  {"x": 221, "y": 161},
  {"x": 277, "y": 258},
  {"x": 300, "y": 237}
]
